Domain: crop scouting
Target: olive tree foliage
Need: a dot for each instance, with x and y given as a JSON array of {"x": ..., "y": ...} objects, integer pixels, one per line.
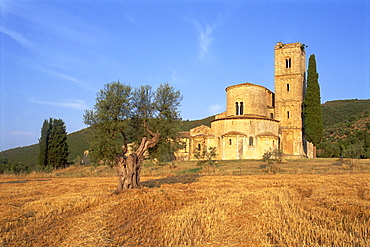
[
  {"x": 147, "y": 118},
  {"x": 109, "y": 122}
]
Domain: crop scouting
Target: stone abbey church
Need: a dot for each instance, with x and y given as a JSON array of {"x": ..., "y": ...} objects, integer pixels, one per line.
[{"x": 257, "y": 119}]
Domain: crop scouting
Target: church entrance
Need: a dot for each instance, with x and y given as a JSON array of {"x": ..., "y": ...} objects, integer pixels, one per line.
[{"x": 288, "y": 142}]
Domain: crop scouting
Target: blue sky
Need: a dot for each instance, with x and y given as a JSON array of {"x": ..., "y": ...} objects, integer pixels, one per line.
[{"x": 56, "y": 55}]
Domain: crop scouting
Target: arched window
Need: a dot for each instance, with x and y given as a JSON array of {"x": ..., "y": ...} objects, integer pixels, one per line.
[
  {"x": 239, "y": 108},
  {"x": 230, "y": 142},
  {"x": 251, "y": 141},
  {"x": 288, "y": 63},
  {"x": 199, "y": 147},
  {"x": 288, "y": 87}
]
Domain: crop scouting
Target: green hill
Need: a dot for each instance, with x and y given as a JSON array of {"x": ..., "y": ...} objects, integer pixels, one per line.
[
  {"x": 77, "y": 143},
  {"x": 337, "y": 111},
  {"x": 346, "y": 129},
  {"x": 346, "y": 123},
  {"x": 188, "y": 125}
]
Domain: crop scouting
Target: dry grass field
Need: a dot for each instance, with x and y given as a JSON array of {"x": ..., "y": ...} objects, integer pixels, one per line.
[{"x": 298, "y": 209}]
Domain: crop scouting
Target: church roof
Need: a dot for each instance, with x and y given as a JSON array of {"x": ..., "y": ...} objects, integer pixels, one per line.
[
  {"x": 246, "y": 84},
  {"x": 245, "y": 117},
  {"x": 234, "y": 133},
  {"x": 184, "y": 134}
]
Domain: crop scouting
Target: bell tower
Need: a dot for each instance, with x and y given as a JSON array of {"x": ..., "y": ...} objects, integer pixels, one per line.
[{"x": 290, "y": 69}]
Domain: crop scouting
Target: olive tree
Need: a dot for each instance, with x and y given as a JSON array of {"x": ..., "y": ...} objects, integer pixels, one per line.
[{"x": 147, "y": 118}]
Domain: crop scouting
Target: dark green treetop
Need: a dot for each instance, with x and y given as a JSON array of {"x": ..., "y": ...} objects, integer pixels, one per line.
[
  {"x": 57, "y": 154},
  {"x": 312, "y": 109},
  {"x": 53, "y": 148},
  {"x": 43, "y": 144}
]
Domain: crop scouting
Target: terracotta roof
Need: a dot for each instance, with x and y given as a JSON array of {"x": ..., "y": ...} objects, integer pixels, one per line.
[
  {"x": 203, "y": 136},
  {"x": 245, "y": 117},
  {"x": 184, "y": 134},
  {"x": 233, "y": 133}
]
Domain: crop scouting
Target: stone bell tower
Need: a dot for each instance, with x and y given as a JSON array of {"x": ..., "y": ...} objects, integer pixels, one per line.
[{"x": 290, "y": 69}]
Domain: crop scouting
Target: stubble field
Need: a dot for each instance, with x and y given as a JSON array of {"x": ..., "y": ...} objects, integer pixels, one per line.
[{"x": 189, "y": 210}]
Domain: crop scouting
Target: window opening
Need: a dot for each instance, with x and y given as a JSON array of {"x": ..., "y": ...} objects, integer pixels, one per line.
[
  {"x": 237, "y": 108},
  {"x": 241, "y": 110},
  {"x": 272, "y": 115},
  {"x": 199, "y": 146},
  {"x": 288, "y": 114},
  {"x": 250, "y": 141},
  {"x": 288, "y": 63},
  {"x": 288, "y": 87},
  {"x": 230, "y": 141}
]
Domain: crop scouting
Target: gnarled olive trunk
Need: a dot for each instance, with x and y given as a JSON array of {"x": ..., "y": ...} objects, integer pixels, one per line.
[{"x": 128, "y": 167}]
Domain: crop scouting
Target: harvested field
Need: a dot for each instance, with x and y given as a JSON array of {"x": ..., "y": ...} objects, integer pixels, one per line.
[{"x": 193, "y": 210}]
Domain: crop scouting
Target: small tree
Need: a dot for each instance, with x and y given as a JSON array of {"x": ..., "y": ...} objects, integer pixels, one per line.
[
  {"x": 206, "y": 156},
  {"x": 149, "y": 119},
  {"x": 312, "y": 109},
  {"x": 272, "y": 157}
]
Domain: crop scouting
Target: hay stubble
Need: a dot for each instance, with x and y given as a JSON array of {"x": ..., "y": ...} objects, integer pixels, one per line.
[{"x": 256, "y": 210}]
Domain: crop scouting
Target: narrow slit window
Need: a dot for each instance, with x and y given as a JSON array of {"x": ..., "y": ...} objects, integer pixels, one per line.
[
  {"x": 199, "y": 146},
  {"x": 288, "y": 87},
  {"x": 251, "y": 141},
  {"x": 288, "y": 114},
  {"x": 237, "y": 108},
  {"x": 230, "y": 142},
  {"x": 288, "y": 63},
  {"x": 241, "y": 110}
]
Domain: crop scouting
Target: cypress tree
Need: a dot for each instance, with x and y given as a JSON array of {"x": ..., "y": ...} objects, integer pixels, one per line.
[
  {"x": 57, "y": 145},
  {"x": 43, "y": 144},
  {"x": 312, "y": 109}
]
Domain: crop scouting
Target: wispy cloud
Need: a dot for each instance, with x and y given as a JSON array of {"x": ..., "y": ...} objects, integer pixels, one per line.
[
  {"x": 204, "y": 38},
  {"x": 215, "y": 109},
  {"x": 66, "y": 77},
  {"x": 74, "y": 104},
  {"x": 69, "y": 79},
  {"x": 19, "y": 38},
  {"x": 173, "y": 76},
  {"x": 5, "y": 7}
]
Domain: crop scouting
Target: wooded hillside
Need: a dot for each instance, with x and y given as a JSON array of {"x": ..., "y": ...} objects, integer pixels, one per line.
[{"x": 346, "y": 131}]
